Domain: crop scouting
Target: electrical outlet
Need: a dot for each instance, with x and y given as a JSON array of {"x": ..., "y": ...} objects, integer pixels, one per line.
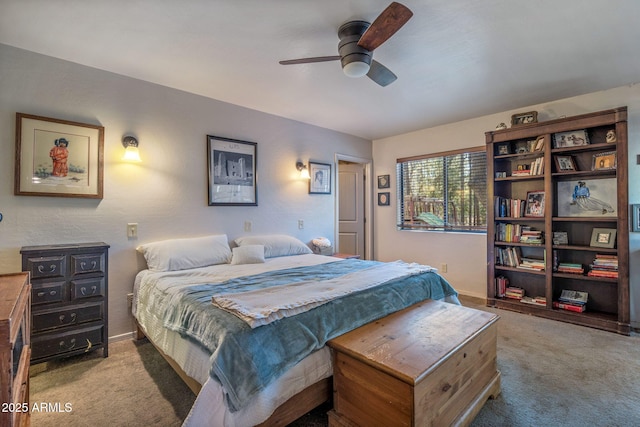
[
  {"x": 132, "y": 230},
  {"x": 247, "y": 226},
  {"x": 300, "y": 224},
  {"x": 129, "y": 300}
]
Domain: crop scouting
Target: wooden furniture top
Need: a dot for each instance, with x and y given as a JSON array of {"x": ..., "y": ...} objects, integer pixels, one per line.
[
  {"x": 412, "y": 343},
  {"x": 11, "y": 287}
]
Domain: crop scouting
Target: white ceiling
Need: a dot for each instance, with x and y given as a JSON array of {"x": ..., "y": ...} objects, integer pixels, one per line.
[{"x": 455, "y": 59}]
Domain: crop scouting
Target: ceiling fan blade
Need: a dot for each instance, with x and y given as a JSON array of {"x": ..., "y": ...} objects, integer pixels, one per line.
[
  {"x": 310, "y": 60},
  {"x": 386, "y": 24},
  {"x": 381, "y": 74}
]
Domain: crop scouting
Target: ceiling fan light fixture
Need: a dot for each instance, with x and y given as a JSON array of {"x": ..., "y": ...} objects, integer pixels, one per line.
[{"x": 356, "y": 69}]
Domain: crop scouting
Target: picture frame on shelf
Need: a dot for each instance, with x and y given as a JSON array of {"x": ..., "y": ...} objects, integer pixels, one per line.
[
  {"x": 320, "y": 182},
  {"x": 504, "y": 149},
  {"x": 564, "y": 164},
  {"x": 383, "y": 181},
  {"x": 384, "y": 199},
  {"x": 58, "y": 158},
  {"x": 524, "y": 118},
  {"x": 560, "y": 238},
  {"x": 635, "y": 217},
  {"x": 535, "y": 204},
  {"x": 232, "y": 172},
  {"x": 539, "y": 144},
  {"x": 603, "y": 238},
  {"x": 605, "y": 161},
  {"x": 587, "y": 198},
  {"x": 574, "y": 138}
]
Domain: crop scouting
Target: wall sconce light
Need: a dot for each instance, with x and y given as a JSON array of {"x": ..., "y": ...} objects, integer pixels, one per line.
[
  {"x": 131, "y": 153},
  {"x": 304, "y": 172}
]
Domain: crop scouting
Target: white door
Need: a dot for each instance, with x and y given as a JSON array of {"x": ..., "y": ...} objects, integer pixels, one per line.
[{"x": 351, "y": 218}]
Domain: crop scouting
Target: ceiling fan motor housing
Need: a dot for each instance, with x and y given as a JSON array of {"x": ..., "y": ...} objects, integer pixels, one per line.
[{"x": 355, "y": 60}]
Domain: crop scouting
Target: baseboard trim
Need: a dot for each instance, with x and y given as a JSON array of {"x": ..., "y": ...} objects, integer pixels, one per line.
[{"x": 122, "y": 337}]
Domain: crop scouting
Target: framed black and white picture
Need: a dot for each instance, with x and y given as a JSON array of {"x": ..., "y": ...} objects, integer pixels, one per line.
[
  {"x": 320, "y": 182},
  {"x": 570, "y": 139},
  {"x": 232, "y": 172}
]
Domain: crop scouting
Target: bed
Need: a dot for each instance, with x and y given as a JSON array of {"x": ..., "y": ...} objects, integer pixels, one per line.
[{"x": 246, "y": 326}]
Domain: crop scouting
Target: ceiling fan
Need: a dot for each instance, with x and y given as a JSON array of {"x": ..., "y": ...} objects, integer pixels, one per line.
[{"x": 358, "y": 40}]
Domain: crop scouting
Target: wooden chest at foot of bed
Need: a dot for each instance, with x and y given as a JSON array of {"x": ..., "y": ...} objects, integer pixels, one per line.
[{"x": 431, "y": 364}]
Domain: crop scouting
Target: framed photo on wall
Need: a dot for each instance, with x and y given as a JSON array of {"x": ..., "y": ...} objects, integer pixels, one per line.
[
  {"x": 320, "y": 182},
  {"x": 232, "y": 172},
  {"x": 58, "y": 158},
  {"x": 383, "y": 181},
  {"x": 384, "y": 199}
]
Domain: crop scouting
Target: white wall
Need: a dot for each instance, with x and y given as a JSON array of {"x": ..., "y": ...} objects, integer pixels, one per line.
[
  {"x": 166, "y": 194},
  {"x": 466, "y": 254}
]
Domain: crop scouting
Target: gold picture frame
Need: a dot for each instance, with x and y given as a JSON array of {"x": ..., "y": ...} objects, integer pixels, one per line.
[
  {"x": 524, "y": 118},
  {"x": 605, "y": 161},
  {"x": 58, "y": 158}
]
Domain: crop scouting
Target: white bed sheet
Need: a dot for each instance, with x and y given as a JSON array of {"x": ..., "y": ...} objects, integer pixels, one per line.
[{"x": 209, "y": 408}]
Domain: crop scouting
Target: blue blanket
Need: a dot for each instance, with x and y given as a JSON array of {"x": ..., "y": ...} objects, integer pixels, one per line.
[{"x": 246, "y": 360}]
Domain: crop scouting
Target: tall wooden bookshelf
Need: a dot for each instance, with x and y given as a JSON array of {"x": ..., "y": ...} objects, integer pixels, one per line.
[{"x": 591, "y": 161}]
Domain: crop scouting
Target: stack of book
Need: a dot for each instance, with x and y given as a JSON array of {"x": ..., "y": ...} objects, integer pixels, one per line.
[
  {"x": 531, "y": 236},
  {"x": 539, "y": 301},
  {"x": 531, "y": 264},
  {"x": 604, "y": 265},
  {"x": 572, "y": 301},
  {"x": 501, "y": 286},
  {"x": 568, "y": 267},
  {"x": 514, "y": 293},
  {"x": 506, "y": 232}
]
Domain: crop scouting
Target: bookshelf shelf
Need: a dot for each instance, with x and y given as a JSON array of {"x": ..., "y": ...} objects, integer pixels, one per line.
[{"x": 586, "y": 198}]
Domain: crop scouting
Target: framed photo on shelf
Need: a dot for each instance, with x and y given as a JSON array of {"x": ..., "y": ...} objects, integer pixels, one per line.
[
  {"x": 320, "y": 182},
  {"x": 539, "y": 144},
  {"x": 524, "y": 118},
  {"x": 604, "y": 161},
  {"x": 58, "y": 158},
  {"x": 535, "y": 204},
  {"x": 589, "y": 198},
  {"x": 384, "y": 199},
  {"x": 574, "y": 138},
  {"x": 383, "y": 181},
  {"x": 232, "y": 172},
  {"x": 503, "y": 149},
  {"x": 560, "y": 238},
  {"x": 565, "y": 164},
  {"x": 603, "y": 237},
  {"x": 635, "y": 218}
]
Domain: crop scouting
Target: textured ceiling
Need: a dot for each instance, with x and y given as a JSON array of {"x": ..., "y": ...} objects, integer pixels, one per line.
[{"x": 455, "y": 59}]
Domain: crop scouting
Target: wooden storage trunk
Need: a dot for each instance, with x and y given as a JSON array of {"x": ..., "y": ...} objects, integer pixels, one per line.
[{"x": 432, "y": 364}]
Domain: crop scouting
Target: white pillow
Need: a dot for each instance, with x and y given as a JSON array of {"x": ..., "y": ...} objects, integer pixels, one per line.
[
  {"x": 181, "y": 254},
  {"x": 249, "y": 254},
  {"x": 276, "y": 245}
]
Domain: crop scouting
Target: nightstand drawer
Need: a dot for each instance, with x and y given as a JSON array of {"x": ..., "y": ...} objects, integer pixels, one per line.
[
  {"x": 87, "y": 288},
  {"x": 52, "y": 266},
  {"x": 75, "y": 341},
  {"x": 87, "y": 263},
  {"x": 56, "y": 318},
  {"x": 47, "y": 292}
]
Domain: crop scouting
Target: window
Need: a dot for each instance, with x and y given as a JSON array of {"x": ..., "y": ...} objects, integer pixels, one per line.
[{"x": 445, "y": 191}]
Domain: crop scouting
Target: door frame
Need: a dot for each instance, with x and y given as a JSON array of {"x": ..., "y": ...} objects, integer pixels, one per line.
[{"x": 368, "y": 198}]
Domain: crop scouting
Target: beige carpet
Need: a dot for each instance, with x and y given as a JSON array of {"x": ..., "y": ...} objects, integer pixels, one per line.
[{"x": 553, "y": 374}]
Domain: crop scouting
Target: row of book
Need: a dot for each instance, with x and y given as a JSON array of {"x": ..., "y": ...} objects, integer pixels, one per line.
[
  {"x": 512, "y": 257},
  {"x": 569, "y": 300},
  {"x": 518, "y": 233},
  {"x": 569, "y": 267},
  {"x": 509, "y": 208},
  {"x": 535, "y": 168}
]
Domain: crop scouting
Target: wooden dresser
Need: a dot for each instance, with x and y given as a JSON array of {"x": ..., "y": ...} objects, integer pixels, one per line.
[
  {"x": 432, "y": 364},
  {"x": 15, "y": 316},
  {"x": 69, "y": 299}
]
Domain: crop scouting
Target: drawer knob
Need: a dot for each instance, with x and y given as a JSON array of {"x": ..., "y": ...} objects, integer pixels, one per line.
[
  {"x": 52, "y": 268},
  {"x": 72, "y": 344},
  {"x": 83, "y": 290},
  {"x": 83, "y": 265},
  {"x": 446, "y": 387}
]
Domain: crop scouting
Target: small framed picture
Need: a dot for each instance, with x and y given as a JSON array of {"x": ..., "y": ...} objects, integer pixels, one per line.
[
  {"x": 603, "y": 237},
  {"x": 384, "y": 199},
  {"x": 565, "y": 164},
  {"x": 560, "y": 238},
  {"x": 535, "y": 204},
  {"x": 539, "y": 144},
  {"x": 320, "y": 182},
  {"x": 232, "y": 172},
  {"x": 570, "y": 139},
  {"x": 503, "y": 149},
  {"x": 635, "y": 218},
  {"x": 524, "y": 118},
  {"x": 383, "y": 181},
  {"x": 604, "y": 161}
]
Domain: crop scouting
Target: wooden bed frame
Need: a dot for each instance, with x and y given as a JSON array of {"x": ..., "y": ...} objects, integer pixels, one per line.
[{"x": 294, "y": 408}]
